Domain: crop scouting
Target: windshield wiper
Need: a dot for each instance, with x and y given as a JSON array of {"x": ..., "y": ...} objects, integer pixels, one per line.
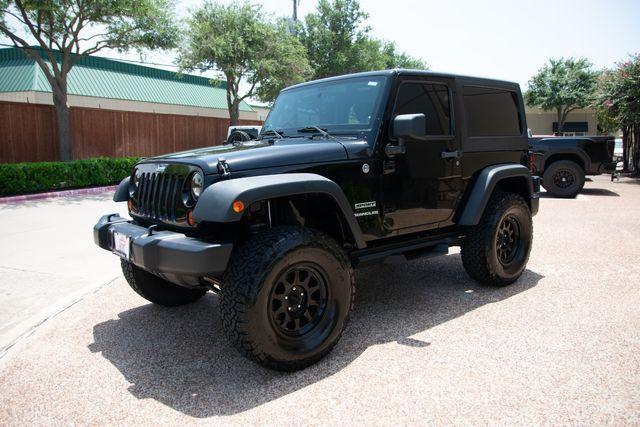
[
  {"x": 274, "y": 132},
  {"x": 316, "y": 129}
]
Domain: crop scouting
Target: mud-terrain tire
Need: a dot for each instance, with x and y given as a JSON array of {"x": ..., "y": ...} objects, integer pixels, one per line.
[
  {"x": 286, "y": 297},
  {"x": 563, "y": 178},
  {"x": 157, "y": 290},
  {"x": 495, "y": 252}
]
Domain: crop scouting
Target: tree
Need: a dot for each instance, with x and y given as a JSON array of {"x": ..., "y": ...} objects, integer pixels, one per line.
[
  {"x": 239, "y": 41},
  {"x": 618, "y": 100},
  {"x": 395, "y": 59},
  {"x": 67, "y": 30},
  {"x": 562, "y": 85},
  {"x": 338, "y": 42}
]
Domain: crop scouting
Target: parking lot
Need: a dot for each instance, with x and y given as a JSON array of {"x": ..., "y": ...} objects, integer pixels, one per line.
[{"x": 425, "y": 343}]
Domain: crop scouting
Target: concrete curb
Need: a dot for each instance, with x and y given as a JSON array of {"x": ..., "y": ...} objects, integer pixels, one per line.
[{"x": 55, "y": 194}]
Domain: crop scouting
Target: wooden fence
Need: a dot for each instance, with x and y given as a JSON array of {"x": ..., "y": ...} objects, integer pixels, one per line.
[{"x": 28, "y": 133}]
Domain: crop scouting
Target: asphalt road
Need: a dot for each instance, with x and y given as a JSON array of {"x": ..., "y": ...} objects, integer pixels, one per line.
[{"x": 425, "y": 344}]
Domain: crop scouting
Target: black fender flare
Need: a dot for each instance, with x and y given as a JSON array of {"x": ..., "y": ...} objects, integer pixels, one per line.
[
  {"x": 581, "y": 154},
  {"x": 484, "y": 185},
  {"x": 216, "y": 202},
  {"x": 122, "y": 192}
]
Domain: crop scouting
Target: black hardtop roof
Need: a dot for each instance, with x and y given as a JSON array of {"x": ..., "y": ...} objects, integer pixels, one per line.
[{"x": 420, "y": 73}]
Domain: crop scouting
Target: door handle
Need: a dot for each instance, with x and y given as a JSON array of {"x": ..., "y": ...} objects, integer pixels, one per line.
[{"x": 451, "y": 154}]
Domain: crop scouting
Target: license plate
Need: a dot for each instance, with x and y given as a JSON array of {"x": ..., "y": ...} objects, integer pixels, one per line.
[{"x": 121, "y": 244}]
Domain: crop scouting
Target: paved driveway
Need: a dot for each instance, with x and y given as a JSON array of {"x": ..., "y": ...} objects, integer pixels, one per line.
[{"x": 425, "y": 345}]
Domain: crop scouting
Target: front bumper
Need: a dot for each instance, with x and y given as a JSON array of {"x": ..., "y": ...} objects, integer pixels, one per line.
[{"x": 168, "y": 254}]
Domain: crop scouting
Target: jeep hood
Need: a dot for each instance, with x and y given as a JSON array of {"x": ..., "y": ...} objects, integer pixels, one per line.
[{"x": 259, "y": 154}]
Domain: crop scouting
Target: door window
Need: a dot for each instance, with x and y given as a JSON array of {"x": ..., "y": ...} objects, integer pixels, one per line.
[{"x": 430, "y": 99}]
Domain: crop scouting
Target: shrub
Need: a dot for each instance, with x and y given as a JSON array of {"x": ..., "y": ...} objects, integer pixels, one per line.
[{"x": 20, "y": 178}]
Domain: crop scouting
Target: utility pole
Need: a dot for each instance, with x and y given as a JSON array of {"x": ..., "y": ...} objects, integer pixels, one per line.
[{"x": 295, "y": 10}]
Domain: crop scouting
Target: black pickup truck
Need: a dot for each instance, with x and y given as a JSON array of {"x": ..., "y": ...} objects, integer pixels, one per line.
[{"x": 563, "y": 162}]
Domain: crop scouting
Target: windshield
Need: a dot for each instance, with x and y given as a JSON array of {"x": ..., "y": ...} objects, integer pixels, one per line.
[{"x": 344, "y": 106}]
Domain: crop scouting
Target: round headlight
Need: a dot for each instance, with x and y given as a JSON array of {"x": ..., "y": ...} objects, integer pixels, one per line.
[{"x": 197, "y": 181}]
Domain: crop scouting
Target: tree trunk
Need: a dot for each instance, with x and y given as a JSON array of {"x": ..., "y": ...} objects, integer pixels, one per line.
[
  {"x": 631, "y": 148},
  {"x": 234, "y": 113},
  {"x": 233, "y": 104},
  {"x": 626, "y": 144},
  {"x": 635, "y": 148},
  {"x": 63, "y": 123},
  {"x": 560, "y": 122}
]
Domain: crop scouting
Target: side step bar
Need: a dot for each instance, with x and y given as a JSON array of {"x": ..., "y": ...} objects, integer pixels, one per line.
[{"x": 412, "y": 250}]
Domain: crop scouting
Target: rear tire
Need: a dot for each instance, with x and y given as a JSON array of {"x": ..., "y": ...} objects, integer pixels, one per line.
[
  {"x": 286, "y": 297},
  {"x": 563, "y": 178},
  {"x": 495, "y": 252},
  {"x": 157, "y": 290}
]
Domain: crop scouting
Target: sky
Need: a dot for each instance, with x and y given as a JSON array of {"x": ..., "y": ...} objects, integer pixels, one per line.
[{"x": 501, "y": 39}]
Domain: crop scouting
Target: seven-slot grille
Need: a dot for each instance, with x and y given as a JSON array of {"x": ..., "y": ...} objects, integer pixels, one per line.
[{"x": 160, "y": 196}]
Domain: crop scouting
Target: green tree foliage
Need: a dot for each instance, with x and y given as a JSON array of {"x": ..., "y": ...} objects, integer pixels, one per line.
[
  {"x": 607, "y": 121},
  {"x": 240, "y": 41},
  {"x": 4, "y": 4},
  {"x": 618, "y": 102},
  {"x": 562, "y": 85},
  {"x": 395, "y": 59},
  {"x": 65, "y": 30},
  {"x": 338, "y": 42}
]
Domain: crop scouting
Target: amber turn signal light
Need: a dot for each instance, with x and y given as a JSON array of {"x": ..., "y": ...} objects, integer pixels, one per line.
[
  {"x": 238, "y": 206},
  {"x": 190, "y": 219}
]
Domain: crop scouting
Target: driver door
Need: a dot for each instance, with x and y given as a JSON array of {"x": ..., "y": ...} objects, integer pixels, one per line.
[{"x": 422, "y": 186}]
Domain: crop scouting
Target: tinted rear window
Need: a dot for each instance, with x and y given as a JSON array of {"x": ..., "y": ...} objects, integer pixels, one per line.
[{"x": 491, "y": 112}]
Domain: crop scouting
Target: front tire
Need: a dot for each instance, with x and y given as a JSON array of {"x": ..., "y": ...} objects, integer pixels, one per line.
[
  {"x": 563, "y": 178},
  {"x": 157, "y": 290},
  {"x": 495, "y": 252},
  {"x": 286, "y": 297}
]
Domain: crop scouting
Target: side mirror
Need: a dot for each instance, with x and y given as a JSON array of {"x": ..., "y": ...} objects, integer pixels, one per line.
[
  {"x": 409, "y": 126},
  {"x": 406, "y": 126}
]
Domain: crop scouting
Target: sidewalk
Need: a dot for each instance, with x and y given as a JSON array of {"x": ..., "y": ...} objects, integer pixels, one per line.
[{"x": 48, "y": 259}]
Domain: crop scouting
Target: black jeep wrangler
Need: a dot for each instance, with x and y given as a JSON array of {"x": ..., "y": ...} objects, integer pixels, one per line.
[{"x": 346, "y": 171}]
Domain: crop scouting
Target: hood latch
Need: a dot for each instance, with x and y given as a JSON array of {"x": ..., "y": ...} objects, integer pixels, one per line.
[{"x": 223, "y": 167}]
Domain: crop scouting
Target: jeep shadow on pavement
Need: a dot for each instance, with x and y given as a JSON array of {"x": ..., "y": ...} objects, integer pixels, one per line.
[
  {"x": 346, "y": 172},
  {"x": 178, "y": 358}
]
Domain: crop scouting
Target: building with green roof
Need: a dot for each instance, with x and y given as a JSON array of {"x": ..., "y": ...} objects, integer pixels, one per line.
[
  {"x": 117, "y": 108},
  {"x": 98, "y": 82}
]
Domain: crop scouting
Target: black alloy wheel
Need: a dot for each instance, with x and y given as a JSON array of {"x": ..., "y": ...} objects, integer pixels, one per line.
[
  {"x": 508, "y": 240},
  {"x": 496, "y": 250},
  {"x": 286, "y": 297},
  {"x": 564, "y": 178},
  {"x": 298, "y": 300}
]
